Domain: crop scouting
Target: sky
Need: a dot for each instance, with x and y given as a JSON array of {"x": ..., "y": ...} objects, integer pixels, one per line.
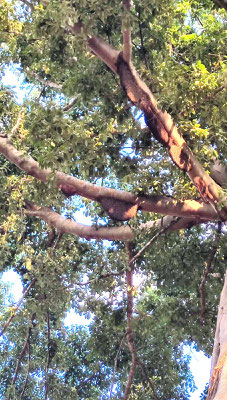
[{"x": 199, "y": 365}]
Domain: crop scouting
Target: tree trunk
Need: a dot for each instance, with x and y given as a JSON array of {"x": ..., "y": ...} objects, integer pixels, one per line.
[{"x": 218, "y": 380}]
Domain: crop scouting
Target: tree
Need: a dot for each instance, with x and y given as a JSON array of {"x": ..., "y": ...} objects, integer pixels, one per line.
[{"x": 125, "y": 122}]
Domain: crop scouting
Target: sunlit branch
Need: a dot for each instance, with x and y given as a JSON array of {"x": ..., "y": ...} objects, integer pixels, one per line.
[{"x": 18, "y": 306}]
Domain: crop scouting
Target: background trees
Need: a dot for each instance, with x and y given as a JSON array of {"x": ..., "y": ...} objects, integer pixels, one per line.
[{"x": 79, "y": 142}]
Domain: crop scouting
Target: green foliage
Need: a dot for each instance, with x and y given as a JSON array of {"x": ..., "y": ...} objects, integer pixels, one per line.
[{"x": 179, "y": 51}]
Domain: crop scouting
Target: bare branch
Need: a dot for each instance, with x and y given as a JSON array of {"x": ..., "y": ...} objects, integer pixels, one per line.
[
  {"x": 18, "y": 306},
  {"x": 160, "y": 124},
  {"x": 64, "y": 225}
]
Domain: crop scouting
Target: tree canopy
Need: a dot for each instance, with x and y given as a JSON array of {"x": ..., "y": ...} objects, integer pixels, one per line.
[{"x": 124, "y": 125}]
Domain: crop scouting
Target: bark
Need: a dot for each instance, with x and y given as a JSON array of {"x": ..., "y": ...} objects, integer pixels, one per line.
[
  {"x": 160, "y": 123},
  {"x": 218, "y": 172},
  {"x": 221, "y": 3},
  {"x": 218, "y": 380},
  {"x": 157, "y": 204},
  {"x": 124, "y": 232}
]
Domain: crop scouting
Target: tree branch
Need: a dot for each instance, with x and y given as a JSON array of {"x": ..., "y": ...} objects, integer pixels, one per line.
[
  {"x": 152, "y": 240},
  {"x": 23, "y": 351},
  {"x": 158, "y": 204},
  {"x": 160, "y": 123},
  {"x": 127, "y": 52},
  {"x": 130, "y": 336},
  {"x": 46, "y": 82},
  {"x": 124, "y": 232},
  {"x": 18, "y": 306},
  {"x": 115, "y": 364},
  {"x": 70, "y": 105}
]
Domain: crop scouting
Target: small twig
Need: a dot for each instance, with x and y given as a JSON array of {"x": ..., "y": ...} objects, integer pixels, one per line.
[
  {"x": 115, "y": 364},
  {"x": 18, "y": 306},
  {"x": 206, "y": 273},
  {"x": 155, "y": 237}
]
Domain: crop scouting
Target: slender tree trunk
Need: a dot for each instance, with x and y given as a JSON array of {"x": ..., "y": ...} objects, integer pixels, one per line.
[{"x": 218, "y": 379}]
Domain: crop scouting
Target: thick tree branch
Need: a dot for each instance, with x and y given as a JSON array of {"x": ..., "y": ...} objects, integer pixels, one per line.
[
  {"x": 124, "y": 232},
  {"x": 158, "y": 204},
  {"x": 160, "y": 123}
]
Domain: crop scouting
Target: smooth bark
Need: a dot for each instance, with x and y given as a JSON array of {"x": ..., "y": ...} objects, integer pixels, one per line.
[{"x": 218, "y": 380}]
